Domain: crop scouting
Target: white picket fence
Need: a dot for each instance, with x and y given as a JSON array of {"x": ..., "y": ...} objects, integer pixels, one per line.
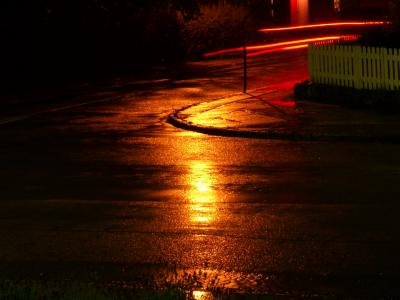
[{"x": 354, "y": 66}]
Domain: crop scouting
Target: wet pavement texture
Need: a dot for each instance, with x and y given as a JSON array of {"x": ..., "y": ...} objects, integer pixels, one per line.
[
  {"x": 274, "y": 113},
  {"x": 107, "y": 190}
]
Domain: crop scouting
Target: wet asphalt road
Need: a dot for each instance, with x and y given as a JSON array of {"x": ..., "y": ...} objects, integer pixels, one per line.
[{"x": 110, "y": 190}]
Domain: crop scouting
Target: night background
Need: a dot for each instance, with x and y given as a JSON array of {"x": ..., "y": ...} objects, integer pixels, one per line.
[
  {"x": 199, "y": 149},
  {"x": 58, "y": 40}
]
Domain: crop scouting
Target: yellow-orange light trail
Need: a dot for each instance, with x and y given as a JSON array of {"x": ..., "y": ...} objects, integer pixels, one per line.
[
  {"x": 277, "y": 50},
  {"x": 345, "y": 37},
  {"x": 296, "y": 47},
  {"x": 324, "y": 25},
  {"x": 266, "y": 46}
]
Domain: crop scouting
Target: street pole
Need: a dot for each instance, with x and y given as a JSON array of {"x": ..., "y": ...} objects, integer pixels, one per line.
[
  {"x": 244, "y": 57},
  {"x": 245, "y": 19}
]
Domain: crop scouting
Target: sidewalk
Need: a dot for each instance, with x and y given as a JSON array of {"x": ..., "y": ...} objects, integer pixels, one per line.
[{"x": 275, "y": 114}]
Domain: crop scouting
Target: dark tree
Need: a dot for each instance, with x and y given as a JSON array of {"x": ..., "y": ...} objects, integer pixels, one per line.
[{"x": 70, "y": 37}]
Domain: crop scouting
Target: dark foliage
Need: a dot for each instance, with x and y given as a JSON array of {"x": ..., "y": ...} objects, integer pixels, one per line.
[
  {"x": 57, "y": 38},
  {"x": 388, "y": 37},
  {"x": 381, "y": 100}
]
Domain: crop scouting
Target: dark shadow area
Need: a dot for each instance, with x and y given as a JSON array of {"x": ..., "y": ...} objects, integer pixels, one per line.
[
  {"x": 45, "y": 43},
  {"x": 48, "y": 42}
]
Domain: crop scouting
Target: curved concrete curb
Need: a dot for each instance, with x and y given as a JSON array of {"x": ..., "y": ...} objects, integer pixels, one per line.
[
  {"x": 175, "y": 120},
  {"x": 272, "y": 133}
]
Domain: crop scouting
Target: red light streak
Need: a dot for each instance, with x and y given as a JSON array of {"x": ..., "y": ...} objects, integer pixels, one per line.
[
  {"x": 297, "y": 47},
  {"x": 282, "y": 103},
  {"x": 274, "y": 45},
  {"x": 324, "y": 25},
  {"x": 293, "y": 42},
  {"x": 277, "y": 50},
  {"x": 328, "y": 41},
  {"x": 231, "y": 50}
]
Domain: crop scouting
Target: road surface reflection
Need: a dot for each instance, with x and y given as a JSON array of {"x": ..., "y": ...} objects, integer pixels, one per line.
[{"x": 202, "y": 195}]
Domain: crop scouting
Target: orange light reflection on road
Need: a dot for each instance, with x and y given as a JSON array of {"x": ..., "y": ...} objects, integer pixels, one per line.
[
  {"x": 200, "y": 295},
  {"x": 201, "y": 196},
  {"x": 336, "y": 24}
]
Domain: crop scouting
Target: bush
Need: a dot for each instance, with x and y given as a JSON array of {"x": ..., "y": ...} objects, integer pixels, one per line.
[
  {"x": 388, "y": 37},
  {"x": 379, "y": 100},
  {"x": 216, "y": 27},
  {"x": 394, "y": 10}
]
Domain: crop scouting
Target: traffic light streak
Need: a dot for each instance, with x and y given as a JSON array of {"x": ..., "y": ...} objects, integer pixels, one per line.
[{"x": 282, "y": 46}]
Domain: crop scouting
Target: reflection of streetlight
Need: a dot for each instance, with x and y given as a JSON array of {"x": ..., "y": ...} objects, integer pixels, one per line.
[
  {"x": 201, "y": 194},
  {"x": 201, "y": 295}
]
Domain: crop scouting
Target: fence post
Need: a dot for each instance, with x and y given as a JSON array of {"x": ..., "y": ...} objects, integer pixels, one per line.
[
  {"x": 390, "y": 67},
  {"x": 330, "y": 65},
  {"x": 347, "y": 67},
  {"x": 357, "y": 67},
  {"x": 396, "y": 62},
  {"x": 311, "y": 63},
  {"x": 384, "y": 68},
  {"x": 340, "y": 62}
]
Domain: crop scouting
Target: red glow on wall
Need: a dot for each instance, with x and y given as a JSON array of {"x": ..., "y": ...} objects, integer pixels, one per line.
[
  {"x": 299, "y": 11},
  {"x": 335, "y": 24},
  {"x": 293, "y": 11}
]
